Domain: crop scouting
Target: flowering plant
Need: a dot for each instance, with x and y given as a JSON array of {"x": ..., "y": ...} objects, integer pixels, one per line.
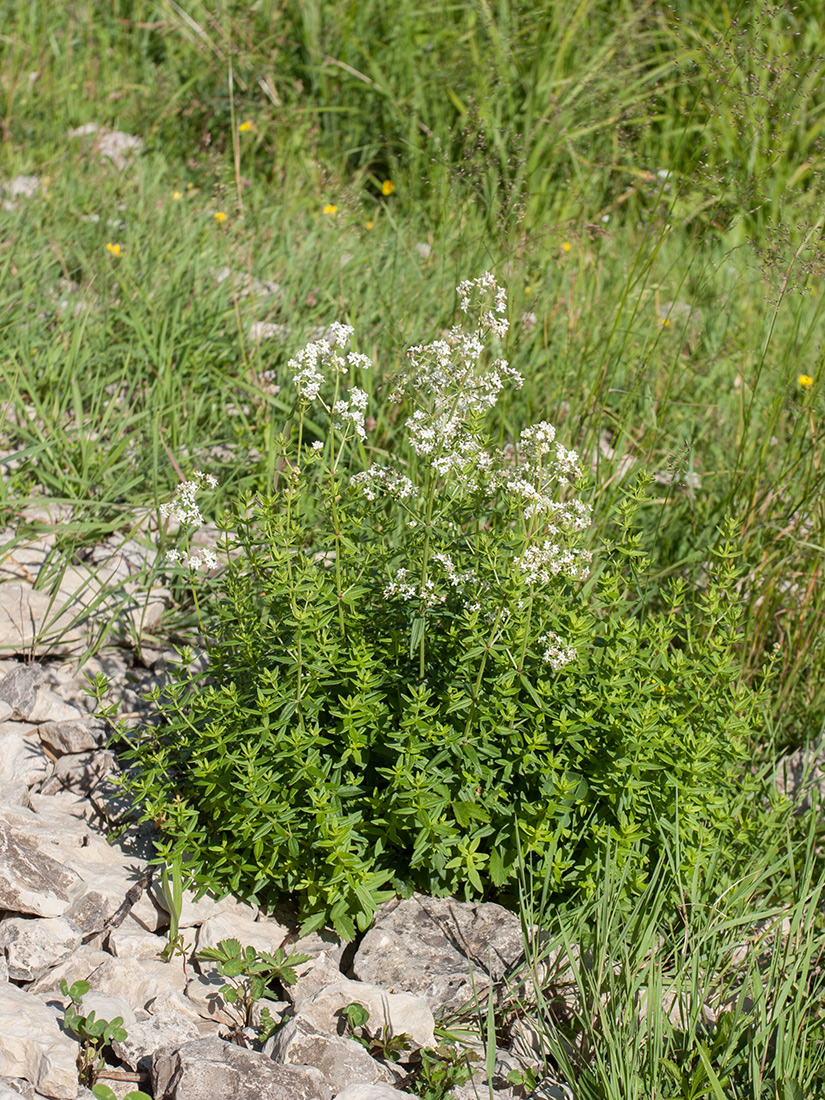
[{"x": 417, "y": 674}]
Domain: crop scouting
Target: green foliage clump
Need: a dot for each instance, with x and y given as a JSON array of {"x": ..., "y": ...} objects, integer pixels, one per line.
[{"x": 419, "y": 674}]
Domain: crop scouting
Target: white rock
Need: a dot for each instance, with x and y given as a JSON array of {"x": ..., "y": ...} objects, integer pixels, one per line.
[
  {"x": 263, "y": 935},
  {"x": 138, "y": 980},
  {"x": 161, "y": 1033},
  {"x": 22, "y": 759},
  {"x": 131, "y": 940},
  {"x": 203, "y": 991},
  {"x": 30, "y": 881},
  {"x": 342, "y": 1061},
  {"x": 32, "y": 1045},
  {"x": 30, "y": 621},
  {"x": 21, "y": 187},
  {"x": 373, "y": 1092},
  {"x": 399, "y": 1012},
  {"x": 80, "y": 734},
  {"x": 117, "y": 146},
  {"x": 49, "y": 707},
  {"x": 194, "y": 912},
  {"x": 34, "y": 946},
  {"x": 78, "y": 967},
  {"x": 428, "y": 946},
  {"x": 107, "y": 1006}
]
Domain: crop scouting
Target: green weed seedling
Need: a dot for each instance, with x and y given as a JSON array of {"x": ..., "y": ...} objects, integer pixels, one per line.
[
  {"x": 92, "y": 1034},
  {"x": 173, "y": 897},
  {"x": 103, "y": 1092},
  {"x": 249, "y": 974},
  {"x": 382, "y": 1044}
]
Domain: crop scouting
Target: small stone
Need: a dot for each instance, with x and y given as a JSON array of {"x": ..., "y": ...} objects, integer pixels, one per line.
[
  {"x": 73, "y": 736},
  {"x": 212, "y": 1069},
  {"x": 263, "y": 935},
  {"x": 31, "y": 882},
  {"x": 373, "y": 1092},
  {"x": 22, "y": 759},
  {"x": 399, "y": 1012},
  {"x": 50, "y": 707},
  {"x": 161, "y": 1033},
  {"x": 80, "y": 772},
  {"x": 19, "y": 687},
  {"x": 34, "y": 946},
  {"x": 107, "y": 1006},
  {"x": 342, "y": 1061}
]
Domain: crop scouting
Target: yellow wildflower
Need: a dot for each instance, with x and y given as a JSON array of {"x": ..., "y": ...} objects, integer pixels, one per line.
[
  {"x": 368, "y": 225},
  {"x": 387, "y": 187},
  {"x": 330, "y": 209},
  {"x": 805, "y": 380},
  {"x": 245, "y": 127},
  {"x": 177, "y": 196},
  {"x": 220, "y": 217},
  {"x": 114, "y": 249},
  {"x": 566, "y": 246},
  {"x": 664, "y": 322},
  {"x": 528, "y": 290}
]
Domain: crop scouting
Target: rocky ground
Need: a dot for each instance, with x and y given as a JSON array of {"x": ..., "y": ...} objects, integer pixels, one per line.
[{"x": 78, "y": 905}]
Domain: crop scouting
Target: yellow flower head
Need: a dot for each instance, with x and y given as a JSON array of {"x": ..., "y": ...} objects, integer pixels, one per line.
[
  {"x": 368, "y": 225},
  {"x": 330, "y": 209},
  {"x": 566, "y": 246},
  {"x": 664, "y": 322},
  {"x": 805, "y": 380},
  {"x": 528, "y": 290},
  {"x": 387, "y": 187},
  {"x": 220, "y": 217},
  {"x": 114, "y": 249},
  {"x": 245, "y": 127},
  {"x": 177, "y": 196}
]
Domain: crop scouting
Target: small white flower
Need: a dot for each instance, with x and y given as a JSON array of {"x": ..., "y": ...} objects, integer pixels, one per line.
[{"x": 557, "y": 655}]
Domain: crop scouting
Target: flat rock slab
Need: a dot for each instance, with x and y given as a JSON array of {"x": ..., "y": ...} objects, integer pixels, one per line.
[
  {"x": 32, "y": 1045},
  {"x": 31, "y": 882},
  {"x": 212, "y": 1069},
  {"x": 428, "y": 945}
]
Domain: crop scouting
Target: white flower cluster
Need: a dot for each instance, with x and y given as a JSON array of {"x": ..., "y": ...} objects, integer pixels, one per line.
[
  {"x": 557, "y": 655},
  {"x": 456, "y": 579},
  {"x": 495, "y": 318},
  {"x": 203, "y": 558},
  {"x": 402, "y": 589},
  {"x": 353, "y": 411},
  {"x": 540, "y": 563},
  {"x": 184, "y": 508},
  {"x": 306, "y": 366},
  {"x": 540, "y": 463},
  {"x": 384, "y": 479}
]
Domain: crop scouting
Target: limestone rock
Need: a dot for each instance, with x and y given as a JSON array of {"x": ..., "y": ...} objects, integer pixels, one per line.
[
  {"x": 107, "y": 1006},
  {"x": 31, "y": 622},
  {"x": 161, "y": 1033},
  {"x": 80, "y": 772},
  {"x": 399, "y": 1012},
  {"x": 263, "y": 935},
  {"x": 427, "y": 945},
  {"x": 31, "y": 882},
  {"x": 34, "y": 946},
  {"x": 32, "y": 1045},
  {"x": 212, "y": 1069},
  {"x": 197, "y": 910},
  {"x": 373, "y": 1092},
  {"x": 342, "y": 1061},
  {"x": 204, "y": 993},
  {"x": 115, "y": 145},
  {"x": 138, "y": 981},
  {"x": 22, "y": 759},
  {"x": 19, "y": 687},
  {"x": 71, "y": 736},
  {"x": 80, "y": 966},
  {"x": 49, "y": 707}
]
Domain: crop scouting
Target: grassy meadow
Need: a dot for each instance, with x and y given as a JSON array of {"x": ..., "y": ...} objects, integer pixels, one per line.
[{"x": 645, "y": 180}]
